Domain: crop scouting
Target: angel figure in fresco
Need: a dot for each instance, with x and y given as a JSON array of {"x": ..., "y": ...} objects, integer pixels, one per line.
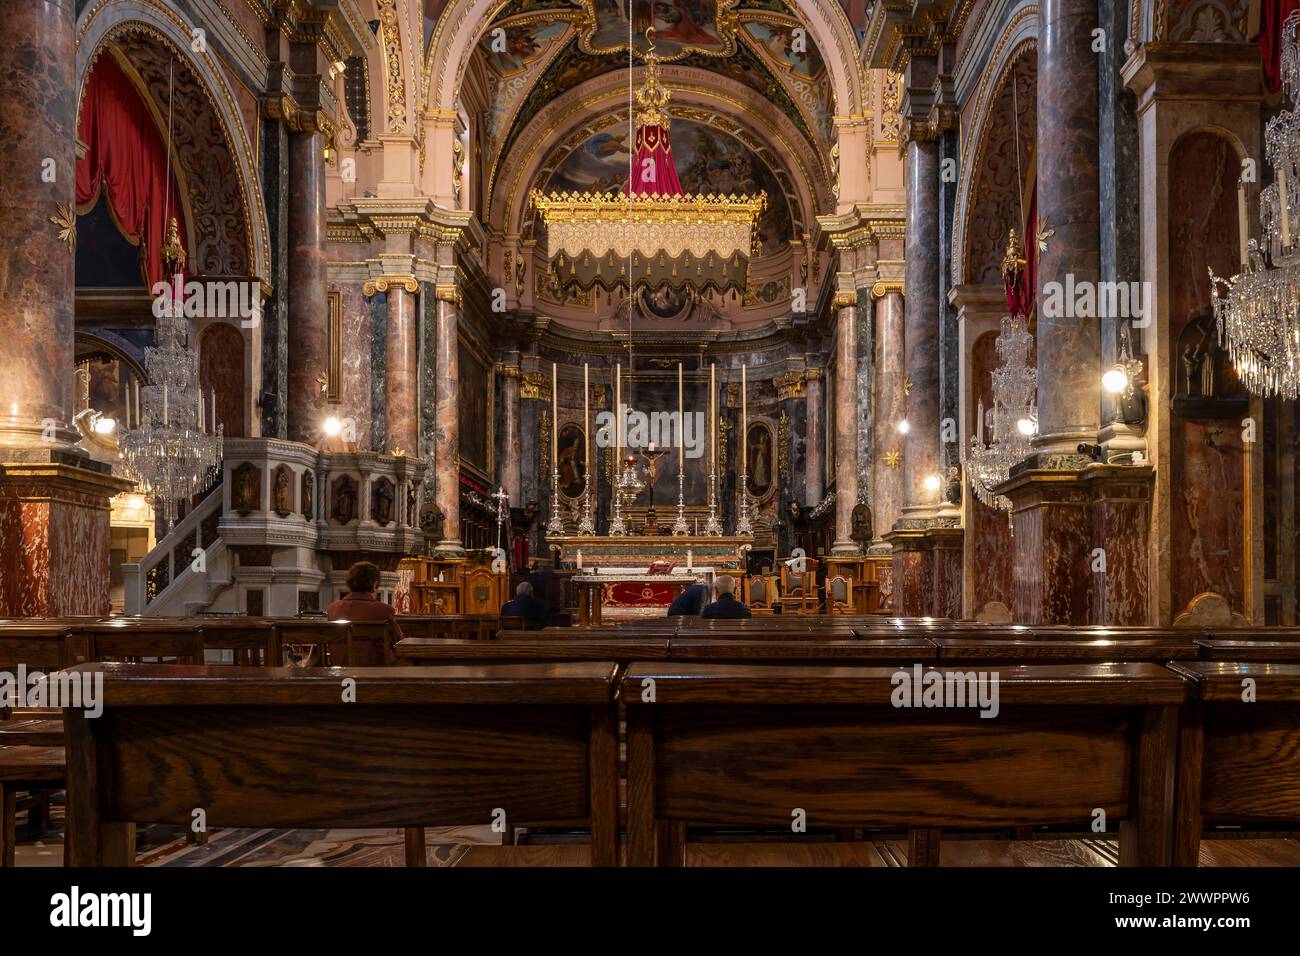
[{"x": 682, "y": 24}]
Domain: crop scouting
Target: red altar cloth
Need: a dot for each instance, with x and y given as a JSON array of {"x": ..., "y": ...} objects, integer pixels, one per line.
[
  {"x": 638, "y": 594},
  {"x": 653, "y": 171}
]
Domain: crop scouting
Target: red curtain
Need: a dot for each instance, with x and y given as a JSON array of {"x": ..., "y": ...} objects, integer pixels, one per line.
[
  {"x": 127, "y": 159},
  {"x": 1272, "y": 17},
  {"x": 653, "y": 171}
]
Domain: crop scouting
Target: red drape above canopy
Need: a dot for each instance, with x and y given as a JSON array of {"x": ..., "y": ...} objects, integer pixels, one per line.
[
  {"x": 127, "y": 159},
  {"x": 1272, "y": 17},
  {"x": 653, "y": 171}
]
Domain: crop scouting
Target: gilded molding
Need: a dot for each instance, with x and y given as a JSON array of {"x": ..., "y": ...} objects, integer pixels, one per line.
[
  {"x": 383, "y": 283},
  {"x": 534, "y": 385},
  {"x": 789, "y": 385},
  {"x": 845, "y": 298},
  {"x": 393, "y": 65},
  {"x": 449, "y": 292},
  {"x": 814, "y": 373},
  {"x": 884, "y": 287}
]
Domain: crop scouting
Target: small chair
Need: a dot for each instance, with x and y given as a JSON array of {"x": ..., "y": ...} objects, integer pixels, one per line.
[
  {"x": 839, "y": 595},
  {"x": 762, "y": 593},
  {"x": 799, "y": 588}
]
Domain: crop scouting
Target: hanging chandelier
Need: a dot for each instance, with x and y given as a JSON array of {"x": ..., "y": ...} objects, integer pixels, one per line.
[
  {"x": 654, "y": 234},
  {"x": 1011, "y": 423},
  {"x": 173, "y": 454},
  {"x": 1258, "y": 310}
]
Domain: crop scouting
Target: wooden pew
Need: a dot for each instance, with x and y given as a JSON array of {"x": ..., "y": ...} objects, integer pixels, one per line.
[
  {"x": 1238, "y": 761},
  {"x": 747, "y": 745},
  {"x": 899, "y": 650},
  {"x": 418, "y": 651},
  {"x": 272, "y": 747},
  {"x": 1217, "y": 649},
  {"x": 967, "y": 650},
  {"x": 130, "y": 639}
]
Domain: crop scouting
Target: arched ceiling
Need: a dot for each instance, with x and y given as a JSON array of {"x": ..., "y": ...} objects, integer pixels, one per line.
[{"x": 536, "y": 52}]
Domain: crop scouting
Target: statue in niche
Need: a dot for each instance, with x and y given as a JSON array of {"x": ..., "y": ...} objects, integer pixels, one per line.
[
  {"x": 381, "y": 502},
  {"x": 244, "y": 496},
  {"x": 344, "y": 508},
  {"x": 308, "y": 487},
  {"x": 410, "y": 504},
  {"x": 282, "y": 499},
  {"x": 1205, "y": 384},
  {"x": 864, "y": 526}
]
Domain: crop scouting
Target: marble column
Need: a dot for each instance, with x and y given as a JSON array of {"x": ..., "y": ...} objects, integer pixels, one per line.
[
  {"x": 447, "y": 434},
  {"x": 921, "y": 329},
  {"x": 54, "y": 500},
  {"x": 37, "y": 124},
  {"x": 308, "y": 310},
  {"x": 890, "y": 492},
  {"x": 1069, "y": 346},
  {"x": 814, "y": 435},
  {"x": 511, "y": 473},
  {"x": 401, "y": 374},
  {"x": 846, "y": 423}
]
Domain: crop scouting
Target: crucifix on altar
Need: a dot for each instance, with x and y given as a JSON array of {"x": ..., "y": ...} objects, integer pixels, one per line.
[{"x": 651, "y": 459}]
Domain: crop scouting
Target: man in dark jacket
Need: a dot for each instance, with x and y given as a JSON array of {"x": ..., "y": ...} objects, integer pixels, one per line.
[
  {"x": 726, "y": 606},
  {"x": 690, "y": 602},
  {"x": 535, "y": 613}
]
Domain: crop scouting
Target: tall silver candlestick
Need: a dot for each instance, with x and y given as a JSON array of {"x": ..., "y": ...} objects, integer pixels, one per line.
[
  {"x": 680, "y": 526},
  {"x": 713, "y": 526},
  {"x": 617, "y": 526},
  {"x": 587, "y": 525},
  {"x": 743, "y": 524},
  {"x": 556, "y": 524}
]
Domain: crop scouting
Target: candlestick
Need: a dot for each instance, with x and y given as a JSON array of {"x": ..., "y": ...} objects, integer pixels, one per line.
[
  {"x": 680, "y": 526},
  {"x": 198, "y": 394},
  {"x": 213, "y": 393},
  {"x": 712, "y": 526},
  {"x": 555, "y": 416},
  {"x": 616, "y": 525},
  {"x": 164, "y": 403},
  {"x": 586, "y": 525},
  {"x": 1241, "y": 221},
  {"x": 743, "y": 525}
]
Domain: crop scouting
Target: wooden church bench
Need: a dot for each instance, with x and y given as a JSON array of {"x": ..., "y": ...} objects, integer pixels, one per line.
[
  {"x": 266, "y": 747},
  {"x": 759, "y": 650},
  {"x": 727, "y": 745},
  {"x": 1238, "y": 761},
  {"x": 24, "y": 768},
  {"x": 969, "y": 650},
  {"x": 1218, "y": 649}
]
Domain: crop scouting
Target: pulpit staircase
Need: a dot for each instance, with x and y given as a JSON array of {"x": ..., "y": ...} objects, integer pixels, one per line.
[{"x": 172, "y": 580}]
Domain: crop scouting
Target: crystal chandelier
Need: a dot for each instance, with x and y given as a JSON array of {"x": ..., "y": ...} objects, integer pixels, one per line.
[
  {"x": 654, "y": 234},
  {"x": 172, "y": 455},
  {"x": 1258, "y": 311},
  {"x": 1011, "y": 422}
]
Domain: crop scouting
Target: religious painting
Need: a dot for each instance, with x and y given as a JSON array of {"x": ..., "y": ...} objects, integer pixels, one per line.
[
  {"x": 708, "y": 160},
  {"x": 666, "y": 302},
  {"x": 760, "y": 460},
  {"x": 511, "y": 55},
  {"x": 801, "y": 67},
  {"x": 652, "y": 417},
  {"x": 571, "y": 460},
  {"x": 680, "y": 27},
  {"x": 475, "y": 410}
]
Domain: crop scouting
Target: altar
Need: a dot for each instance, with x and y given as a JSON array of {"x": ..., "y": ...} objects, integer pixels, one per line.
[{"x": 629, "y": 593}]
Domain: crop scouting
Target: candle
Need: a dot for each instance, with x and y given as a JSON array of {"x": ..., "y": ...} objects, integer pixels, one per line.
[
  {"x": 713, "y": 419},
  {"x": 579, "y": 559},
  {"x": 690, "y": 560},
  {"x": 1286, "y": 206},
  {"x": 164, "y": 403},
  {"x": 744, "y": 410},
  {"x": 979, "y": 422},
  {"x": 1241, "y": 220},
  {"x": 618, "y": 419},
  {"x": 681, "y": 421},
  {"x": 586, "y": 421},
  {"x": 213, "y": 393},
  {"x": 555, "y": 415},
  {"x": 198, "y": 394}
]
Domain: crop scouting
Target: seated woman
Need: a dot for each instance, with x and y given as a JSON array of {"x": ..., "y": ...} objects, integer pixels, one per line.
[{"x": 362, "y": 604}]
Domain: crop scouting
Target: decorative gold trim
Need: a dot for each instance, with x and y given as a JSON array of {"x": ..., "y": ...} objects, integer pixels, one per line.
[
  {"x": 334, "y": 351},
  {"x": 393, "y": 61},
  {"x": 534, "y": 385},
  {"x": 845, "y": 298},
  {"x": 789, "y": 385},
  {"x": 783, "y": 446},
  {"x": 383, "y": 283},
  {"x": 66, "y": 220},
  {"x": 449, "y": 292},
  {"x": 884, "y": 287}
]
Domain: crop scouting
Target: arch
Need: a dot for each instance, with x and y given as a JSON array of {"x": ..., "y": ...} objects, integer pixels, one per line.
[
  {"x": 106, "y": 21},
  {"x": 221, "y": 373},
  {"x": 1018, "y": 37},
  {"x": 464, "y": 21},
  {"x": 792, "y": 156}
]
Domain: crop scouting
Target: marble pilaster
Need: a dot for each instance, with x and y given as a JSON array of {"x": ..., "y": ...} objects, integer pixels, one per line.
[
  {"x": 814, "y": 443},
  {"x": 921, "y": 330},
  {"x": 846, "y": 423},
  {"x": 1069, "y": 346},
  {"x": 401, "y": 374},
  {"x": 54, "y": 500},
  {"x": 510, "y": 468},
  {"x": 889, "y": 492},
  {"x": 308, "y": 311},
  {"x": 447, "y": 431}
]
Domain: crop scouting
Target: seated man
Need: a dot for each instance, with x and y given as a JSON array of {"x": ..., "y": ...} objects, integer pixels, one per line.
[
  {"x": 690, "y": 602},
  {"x": 726, "y": 606},
  {"x": 526, "y": 605},
  {"x": 362, "y": 604}
]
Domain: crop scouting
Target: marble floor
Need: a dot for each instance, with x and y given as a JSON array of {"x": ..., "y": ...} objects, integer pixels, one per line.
[{"x": 478, "y": 846}]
